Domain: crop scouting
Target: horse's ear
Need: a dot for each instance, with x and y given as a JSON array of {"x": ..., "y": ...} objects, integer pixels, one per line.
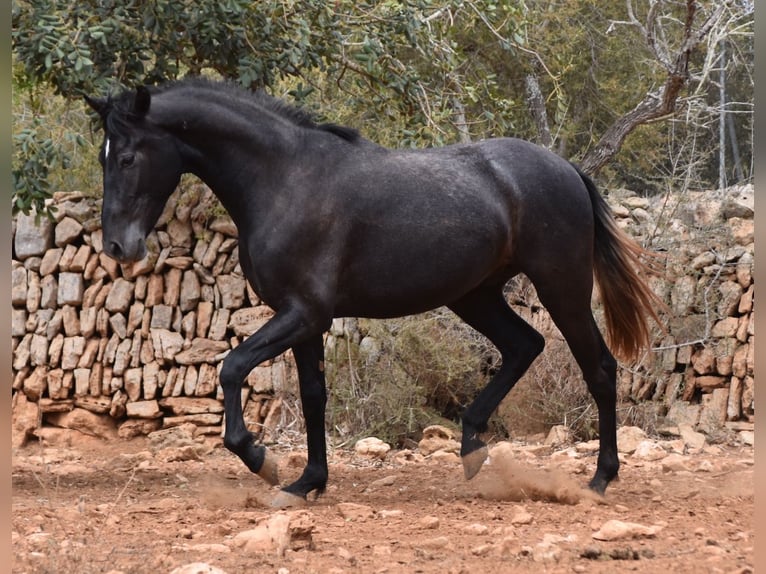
[
  {"x": 98, "y": 104},
  {"x": 142, "y": 102}
]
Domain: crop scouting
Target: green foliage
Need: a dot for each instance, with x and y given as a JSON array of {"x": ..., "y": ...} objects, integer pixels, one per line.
[
  {"x": 408, "y": 72},
  {"x": 392, "y": 378}
]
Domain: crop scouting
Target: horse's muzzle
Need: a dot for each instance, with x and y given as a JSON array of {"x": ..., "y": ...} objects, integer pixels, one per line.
[{"x": 125, "y": 251}]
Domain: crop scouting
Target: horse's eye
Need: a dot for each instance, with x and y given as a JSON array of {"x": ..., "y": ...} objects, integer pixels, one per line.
[{"x": 127, "y": 160}]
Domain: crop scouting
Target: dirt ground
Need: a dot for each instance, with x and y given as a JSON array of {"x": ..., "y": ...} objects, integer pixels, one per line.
[{"x": 87, "y": 506}]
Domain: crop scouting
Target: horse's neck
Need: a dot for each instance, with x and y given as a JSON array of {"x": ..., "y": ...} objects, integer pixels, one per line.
[{"x": 231, "y": 152}]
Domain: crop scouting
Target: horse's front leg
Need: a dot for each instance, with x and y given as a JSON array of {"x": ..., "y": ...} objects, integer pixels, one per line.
[
  {"x": 309, "y": 358},
  {"x": 289, "y": 327}
]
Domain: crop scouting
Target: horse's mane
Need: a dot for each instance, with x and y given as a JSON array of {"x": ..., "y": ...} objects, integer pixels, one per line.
[{"x": 121, "y": 104}]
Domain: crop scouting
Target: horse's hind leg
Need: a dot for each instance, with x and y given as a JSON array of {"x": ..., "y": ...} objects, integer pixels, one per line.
[
  {"x": 486, "y": 310},
  {"x": 569, "y": 306}
]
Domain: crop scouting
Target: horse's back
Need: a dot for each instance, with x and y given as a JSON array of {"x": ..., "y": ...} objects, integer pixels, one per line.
[{"x": 442, "y": 221}]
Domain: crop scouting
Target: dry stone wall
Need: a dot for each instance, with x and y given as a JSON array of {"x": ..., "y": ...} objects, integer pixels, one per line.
[
  {"x": 701, "y": 369},
  {"x": 128, "y": 349},
  {"x": 119, "y": 350}
]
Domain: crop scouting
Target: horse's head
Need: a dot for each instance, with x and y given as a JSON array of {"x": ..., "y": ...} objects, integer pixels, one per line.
[{"x": 142, "y": 166}]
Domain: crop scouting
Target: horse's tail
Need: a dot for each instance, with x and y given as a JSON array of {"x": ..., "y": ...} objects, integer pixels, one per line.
[{"x": 620, "y": 266}]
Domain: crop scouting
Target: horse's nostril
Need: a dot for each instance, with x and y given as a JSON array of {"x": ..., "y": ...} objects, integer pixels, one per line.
[{"x": 116, "y": 250}]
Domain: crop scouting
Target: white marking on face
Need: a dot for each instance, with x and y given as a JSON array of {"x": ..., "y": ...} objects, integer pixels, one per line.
[{"x": 106, "y": 150}]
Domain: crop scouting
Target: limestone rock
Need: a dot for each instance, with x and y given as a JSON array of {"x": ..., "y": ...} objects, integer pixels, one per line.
[
  {"x": 191, "y": 405},
  {"x": 245, "y": 322},
  {"x": 143, "y": 409},
  {"x": 34, "y": 235},
  {"x": 372, "y": 447},
  {"x": 25, "y": 418},
  {"x": 86, "y": 422},
  {"x": 649, "y": 450},
  {"x": 277, "y": 534},
  {"x": 628, "y": 439},
  {"x": 618, "y": 530},
  {"x": 67, "y": 230},
  {"x": 70, "y": 289},
  {"x": 438, "y": 437},
  {"x": 197, "y": 568},
  {"x": 232, "y": 289},
  {"x": 355, "y": 512},
  {"x": 558, "y": 435},
  {"x": 132, "y": 428},
  {"x": 201, "y": 351}
]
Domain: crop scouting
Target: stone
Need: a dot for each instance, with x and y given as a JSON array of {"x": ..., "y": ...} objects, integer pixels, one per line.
[
  {"x": 33, "y": 237},
  {"x": 438, "y": 438},
  {"x": 649, "y": 450},
  {"x": 204, "y": 419},
  {"x": 38, "y": 350},
  {"x": 206, "y": 381},
  {"x": 190, "y": 293},
  {"x": 682, "y": 295},
  {"x": 219, "y": 325},
  {"x": 232, "y": 290},
  {"x": 260, "y": 380},
  {"x": 166, "y": 344},
  {"x": 725, "y": 328},
  {"x": 151, "y": 378},
  {"x": 99, "y": 405},
  {"x": 628, "y": 439},
  {"x": 18, "y": 286},
  {"x": 734, "y": 402},
  {"x": 172, "y": 287},
  {"x": 618, "y": 530},
  {"x": 558, "y": 435},
  {"x": 120, "y": 296},
  {"x": 154, "y": 290},
  {"x": 713, "y": 413},
  {"x": 143, "y": 409},
  {"x": 355, "y": 512},
  {"x": 80, "y": 260},
  {"x": 521, "y": 516},
  {"x": 742, "y": 230},
  {"x": 681, "y": 412},
  {"x": 693, "y": 439},
  {"x": 191, "y": 405},
  {"x": 132, "y": 383},
  {"x": 49, "y": 292},
  {"x": 224, "y": 225},
  {"x": 50, "y": 261},
  {"x": 372, "y": 447},
  {"x": 86, "y": 422},
  {"x": 208, "y": 259},
  {"x": 197, "y": 568},
  {"x": 201, "y": 351},
  {"x": 71, "y": 289},
  {"x": 73, "y": 350},
  {"x": 67, "y": 230},
  {"x": 162, "y": 317},
  {"x": 278, "y": 533},
  {"x": 18, "y": 322},
  {"x": 245, "y": 322},
  {"x": 204, "y": 316},
  {"x": 25, "y": 419}
]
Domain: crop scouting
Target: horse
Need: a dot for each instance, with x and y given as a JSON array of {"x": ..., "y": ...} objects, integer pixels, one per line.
[{"x": 331, "y": 224}]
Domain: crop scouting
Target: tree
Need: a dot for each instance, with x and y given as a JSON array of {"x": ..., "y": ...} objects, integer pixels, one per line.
[{"x": 577, "y": 77}]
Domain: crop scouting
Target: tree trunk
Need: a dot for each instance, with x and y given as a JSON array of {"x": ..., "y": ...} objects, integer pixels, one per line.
[{"x": 655, "y": 105}]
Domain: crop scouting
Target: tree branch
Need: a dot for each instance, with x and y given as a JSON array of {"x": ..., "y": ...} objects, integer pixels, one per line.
[{"x": 655, "y": 105}]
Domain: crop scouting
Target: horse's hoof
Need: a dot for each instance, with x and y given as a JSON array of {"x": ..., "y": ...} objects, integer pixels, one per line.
[
  {"x": 473, "y": 461},
  {"x": 269, "y": 470},
  {"x": 287, "y": 500}
]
